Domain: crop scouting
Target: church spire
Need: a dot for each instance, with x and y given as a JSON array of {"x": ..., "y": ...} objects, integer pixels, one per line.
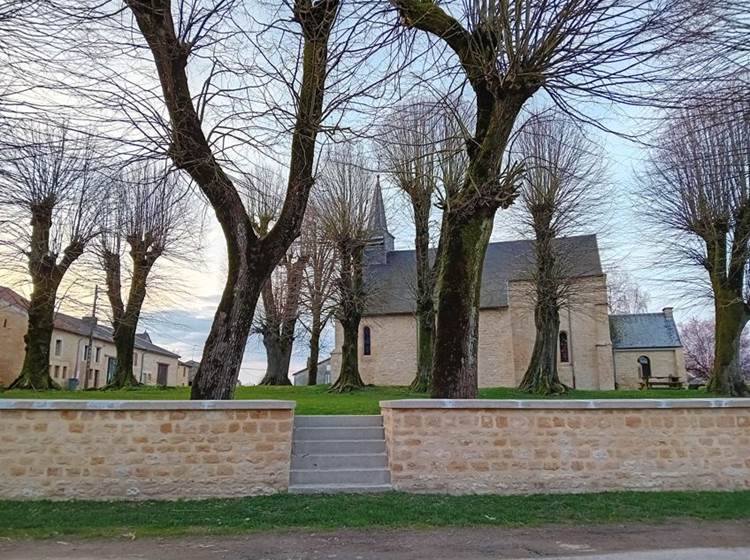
[
  {"x": 378, "y": 224},
  {"x": 381, "y": 240}
]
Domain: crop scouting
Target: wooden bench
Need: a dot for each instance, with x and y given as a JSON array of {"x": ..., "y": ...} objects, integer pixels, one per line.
[{"x": 661, "y": 382}]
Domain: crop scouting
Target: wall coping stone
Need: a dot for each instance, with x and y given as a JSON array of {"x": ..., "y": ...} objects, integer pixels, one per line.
[
  {"x": 567, "y": 404},
  {"x": 61, "y": 404}
]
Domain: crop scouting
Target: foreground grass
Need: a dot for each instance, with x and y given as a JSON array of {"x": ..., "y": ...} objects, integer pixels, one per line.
[
  {"x": 317, "y": 399},
  {"x": 41, "y": 519}
]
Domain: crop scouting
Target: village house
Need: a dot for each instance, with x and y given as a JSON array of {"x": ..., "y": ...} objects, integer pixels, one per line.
[
  {"x": 595, "y": 350},
  {"x": 152, "y": 364}
]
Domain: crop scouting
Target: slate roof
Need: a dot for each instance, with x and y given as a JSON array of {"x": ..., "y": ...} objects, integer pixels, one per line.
[
  {"x": 391, "y": 285},
  {"x": 80, "y": 327},
  {"x": 643, "y": 330}
]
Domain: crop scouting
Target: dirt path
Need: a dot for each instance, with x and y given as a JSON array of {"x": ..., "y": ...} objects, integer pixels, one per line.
[{"x": 683, "y": 539}]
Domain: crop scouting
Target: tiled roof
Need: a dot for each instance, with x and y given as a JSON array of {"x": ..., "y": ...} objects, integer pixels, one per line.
[
  {"x": 643, "y": 330},
  {"x": 80, "y": 327},
  {"x": 391, "y": 285}
]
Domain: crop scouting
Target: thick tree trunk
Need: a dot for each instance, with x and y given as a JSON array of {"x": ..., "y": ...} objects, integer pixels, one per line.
[
  {"x": 278, "y": 354},
  {"x": 541, "y": 376},
  {"x": 459, "y": 278},
  {"x": 425, "y": 344},
  {"x": 349, "y": 378},
  {"x": 124, "y": 337},
  {"x": 730, "y": 320},
  {"x": 424, "y": 296},
  {"x": 35, "y": 370},
  {"x": 312, "y": 360},
  {"x": 217, "y": 374},
  {"x": 125, "y": 317}
]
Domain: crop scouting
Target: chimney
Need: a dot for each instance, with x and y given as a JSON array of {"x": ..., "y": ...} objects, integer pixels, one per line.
[{"x": 668, "y": 312}]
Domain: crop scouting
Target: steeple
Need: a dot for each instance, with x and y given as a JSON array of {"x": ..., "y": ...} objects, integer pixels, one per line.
[{"x": 381, "y": 240}]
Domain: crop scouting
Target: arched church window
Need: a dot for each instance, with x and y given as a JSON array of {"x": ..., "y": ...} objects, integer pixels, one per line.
[
  {"x": 645, "y": 367},
  {"x": 367, "y": 341},
  {"x": 564, "y": 352}
]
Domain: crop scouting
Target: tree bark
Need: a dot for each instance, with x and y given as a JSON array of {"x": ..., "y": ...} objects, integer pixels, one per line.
[
  {"x": 35, "y": 370},
  {"x": 457, "y": 321},
  {"x": 278, "y": 354},
  {"x": 312, "y": 360},
  {"x": 350, "y": 315},
  {"x": 349, "y": 378},
  {"x": 541, "y": 376},
  {"x": 425, "y": 294},
  {"x": 730, "y": 320}
]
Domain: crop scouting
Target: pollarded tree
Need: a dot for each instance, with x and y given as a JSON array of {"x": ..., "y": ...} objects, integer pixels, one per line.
[
  {"x": 148, "y": 218},
  {"x": 507, "y": 52},
  {"x": 422, "y": 150},
  {"x": 276, "y": 321},
  {"x": 50, "y": 194},
  {"x": 345, "y": 195},
  {"x": 318, "y": 283},
  {"x": 561, "y": 186},
  {"x": 698, "y": 186}
]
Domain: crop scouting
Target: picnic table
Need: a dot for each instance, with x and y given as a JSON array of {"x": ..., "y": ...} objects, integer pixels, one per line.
[{"x": 661, "y": 382}]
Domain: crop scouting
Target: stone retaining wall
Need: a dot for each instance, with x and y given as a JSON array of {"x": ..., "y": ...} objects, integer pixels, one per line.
[
  {"x": 480, "y": 446},
  {"x": 144, "y": 449}
]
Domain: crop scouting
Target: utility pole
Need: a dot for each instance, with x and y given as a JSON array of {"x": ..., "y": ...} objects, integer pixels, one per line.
[{"x": 91, "y": 339}]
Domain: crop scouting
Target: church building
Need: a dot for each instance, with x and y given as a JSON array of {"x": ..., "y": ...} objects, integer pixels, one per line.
[{"x": 595, "y": 351}]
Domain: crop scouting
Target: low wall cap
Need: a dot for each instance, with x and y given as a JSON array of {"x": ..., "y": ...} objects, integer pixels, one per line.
[
  {"x": 564, "y": 404},
  {"x": 61, "y": 404}
]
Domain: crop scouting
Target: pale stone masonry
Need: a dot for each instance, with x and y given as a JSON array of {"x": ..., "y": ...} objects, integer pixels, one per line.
[
  {"x": 102, "y": 450},
  {"x": 500, "y": 447}
]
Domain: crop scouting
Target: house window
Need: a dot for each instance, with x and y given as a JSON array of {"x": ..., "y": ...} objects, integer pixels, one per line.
[
  {"x": 58, "y": 347},
  {"x": 564, "y": 351},
  {"x": 86, "y": 352},
  {"x": 57, "y": 372},
  {"x": 65, "y": 371},
  {"x": 98, "y": 353},
  {"x": 367, "y": 341},
  {"x": 135, "y": 358},
  {"x": 644, "y": 366},
  {"x": 5, "y": 323}
]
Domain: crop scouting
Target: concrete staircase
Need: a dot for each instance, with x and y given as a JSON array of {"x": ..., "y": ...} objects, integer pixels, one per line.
[{"x": 339, "y": 454}]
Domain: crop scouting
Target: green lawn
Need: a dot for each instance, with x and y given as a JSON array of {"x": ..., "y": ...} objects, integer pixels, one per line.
[
  {"x": 288, "y": 511},
  {"x": 317, "y": 399}
]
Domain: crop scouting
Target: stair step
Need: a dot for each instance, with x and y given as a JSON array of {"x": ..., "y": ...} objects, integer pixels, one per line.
[
  {"x": 338, "y": 433},
  {"x": 339, "y": 447},
  {"x": 340, "y": 476},
  {"x": 351, "y": 461},
  {"x": 338, "y": 488},
  {"x": 339, "y": 420}
]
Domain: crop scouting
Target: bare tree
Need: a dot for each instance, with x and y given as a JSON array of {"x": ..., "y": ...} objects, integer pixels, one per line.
[
  {"x": 561, "y": 187},
  {"x": 697, "y": 336},
  {"x": 251, "y": 258},
  {"x": 277, "y": 320},
  {"x": 422, "y": 149},
  {"x": 508, "y": 52},
  {"x": 148, "y": 219},
  {"x": 345, "y": 197},
  {"x": 317, "y": 283},
  {"x": 624, "y": 295},
  {"x": 698, "y": 186},
  {"x": 49, "y": 200}
]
